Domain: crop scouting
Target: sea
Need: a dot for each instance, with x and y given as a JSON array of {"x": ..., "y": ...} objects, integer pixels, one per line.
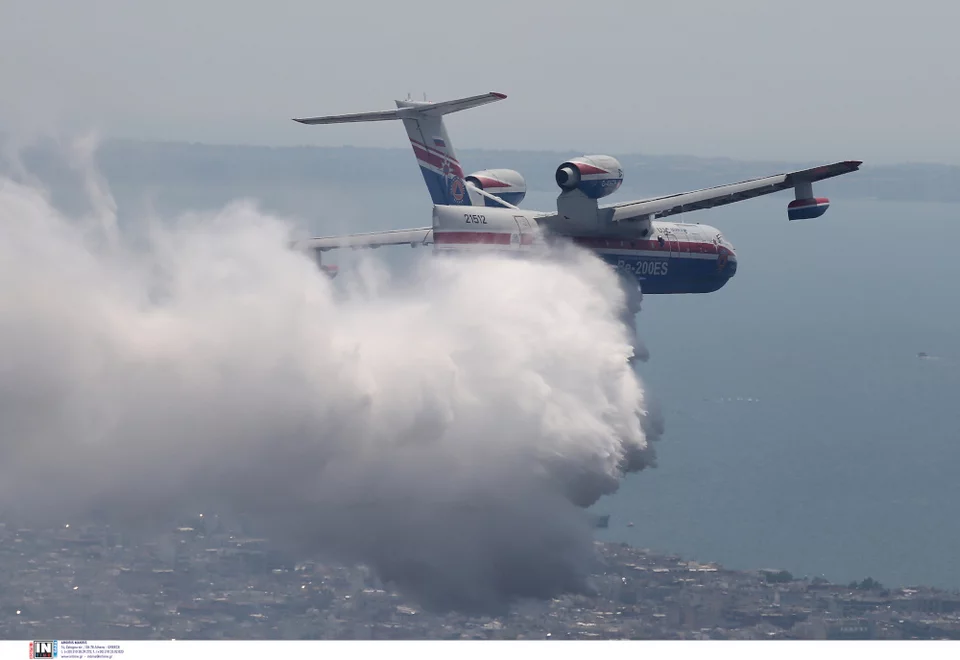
[{"x": 804, "y": 429}]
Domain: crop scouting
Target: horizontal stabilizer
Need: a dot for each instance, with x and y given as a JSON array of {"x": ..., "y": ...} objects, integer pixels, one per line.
[
  {"x": 384, "y": 115},
  {"x": 410, "y": 109},
  {"x": 446, "y": 107}
]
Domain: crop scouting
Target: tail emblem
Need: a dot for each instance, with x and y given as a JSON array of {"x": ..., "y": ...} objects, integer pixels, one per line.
[{"x": 457, "y": 189}]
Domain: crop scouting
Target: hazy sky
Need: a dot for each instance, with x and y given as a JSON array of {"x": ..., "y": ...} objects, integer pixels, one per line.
[{"x": 769, "y": 79}]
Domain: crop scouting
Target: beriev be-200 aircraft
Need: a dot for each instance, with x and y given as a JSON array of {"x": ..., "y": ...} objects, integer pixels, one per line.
[{"x": 479, "y": 211}]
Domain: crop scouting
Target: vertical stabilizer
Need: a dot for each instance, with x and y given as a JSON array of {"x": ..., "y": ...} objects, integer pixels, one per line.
[
  {"x": 432, "y": 148},
  {"x": 438, "y": 162}
]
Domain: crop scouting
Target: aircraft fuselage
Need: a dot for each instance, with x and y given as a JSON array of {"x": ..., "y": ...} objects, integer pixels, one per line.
[{"x": 663, "y": 257}]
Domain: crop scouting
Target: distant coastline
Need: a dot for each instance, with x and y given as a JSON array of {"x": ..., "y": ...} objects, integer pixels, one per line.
[
  {"x": 168, "y": 163},
  {"x": 208, "y": 580}
]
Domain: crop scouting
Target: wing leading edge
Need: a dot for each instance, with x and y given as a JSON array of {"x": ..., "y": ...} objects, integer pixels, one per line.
[
  {"x": 706, "y": 198},
  {"x": 375, "y": 239}
]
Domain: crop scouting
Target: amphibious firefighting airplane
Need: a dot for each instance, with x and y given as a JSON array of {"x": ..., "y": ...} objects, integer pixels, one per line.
[{"x": 478, "y": 211}]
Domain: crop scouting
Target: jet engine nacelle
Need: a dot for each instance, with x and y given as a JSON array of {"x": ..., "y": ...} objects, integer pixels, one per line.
[
  {"x": 594, "y": 176},
  {"x": 507, "y": 185}
]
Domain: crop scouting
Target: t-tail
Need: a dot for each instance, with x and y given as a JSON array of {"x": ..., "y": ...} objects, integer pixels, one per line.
[{"x": 431, "y": 145}]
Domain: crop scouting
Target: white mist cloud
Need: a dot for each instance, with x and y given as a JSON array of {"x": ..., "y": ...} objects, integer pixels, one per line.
[{"x": 443, "y": 429}]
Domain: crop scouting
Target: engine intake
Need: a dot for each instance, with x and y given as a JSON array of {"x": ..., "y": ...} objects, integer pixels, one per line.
[{"x": 594, "y": 176}]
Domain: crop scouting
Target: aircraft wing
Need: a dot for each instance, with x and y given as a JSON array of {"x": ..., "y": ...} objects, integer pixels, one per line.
[
  {"x": 706, "y": 198},
  {"x": 375, "y": 239}
]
